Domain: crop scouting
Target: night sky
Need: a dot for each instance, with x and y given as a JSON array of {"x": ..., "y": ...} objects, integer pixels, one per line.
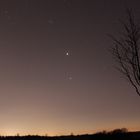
[{"x": 57, "y": 75}]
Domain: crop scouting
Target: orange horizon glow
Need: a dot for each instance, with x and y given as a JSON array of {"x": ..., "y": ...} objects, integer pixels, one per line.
[{"x": 18, "y": 133}]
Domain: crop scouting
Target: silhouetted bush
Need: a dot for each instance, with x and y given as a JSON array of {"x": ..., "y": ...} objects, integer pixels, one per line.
[{"x": 119, "y": 131}]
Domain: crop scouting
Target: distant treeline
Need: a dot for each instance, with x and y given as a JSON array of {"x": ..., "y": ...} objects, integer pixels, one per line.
[{"x": 117, "y": 134}]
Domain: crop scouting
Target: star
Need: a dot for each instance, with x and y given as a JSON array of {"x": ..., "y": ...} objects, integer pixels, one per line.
[
  {"x": 50, "y": 21},
  {"x": 70, "y": 78},
  {"x": 6, "y": 12},
  {"x": 67, "y": 53}
]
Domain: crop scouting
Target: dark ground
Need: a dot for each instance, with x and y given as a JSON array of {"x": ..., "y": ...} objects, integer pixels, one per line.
[{"x": 113, "y": 135}]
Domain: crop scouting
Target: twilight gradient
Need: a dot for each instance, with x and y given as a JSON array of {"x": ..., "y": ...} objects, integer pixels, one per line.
[{"x": 56, "y": 73}]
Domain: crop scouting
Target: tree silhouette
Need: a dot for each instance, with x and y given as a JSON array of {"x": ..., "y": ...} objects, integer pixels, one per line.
[{"x": 126, "y": 51}]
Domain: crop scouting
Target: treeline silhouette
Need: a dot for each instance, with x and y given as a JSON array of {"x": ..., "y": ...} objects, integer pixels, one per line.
[{"x": 117, "y": 134}]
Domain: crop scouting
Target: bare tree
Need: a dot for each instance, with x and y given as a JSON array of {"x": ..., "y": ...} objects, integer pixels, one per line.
[{"x": 126, "y": 51}]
